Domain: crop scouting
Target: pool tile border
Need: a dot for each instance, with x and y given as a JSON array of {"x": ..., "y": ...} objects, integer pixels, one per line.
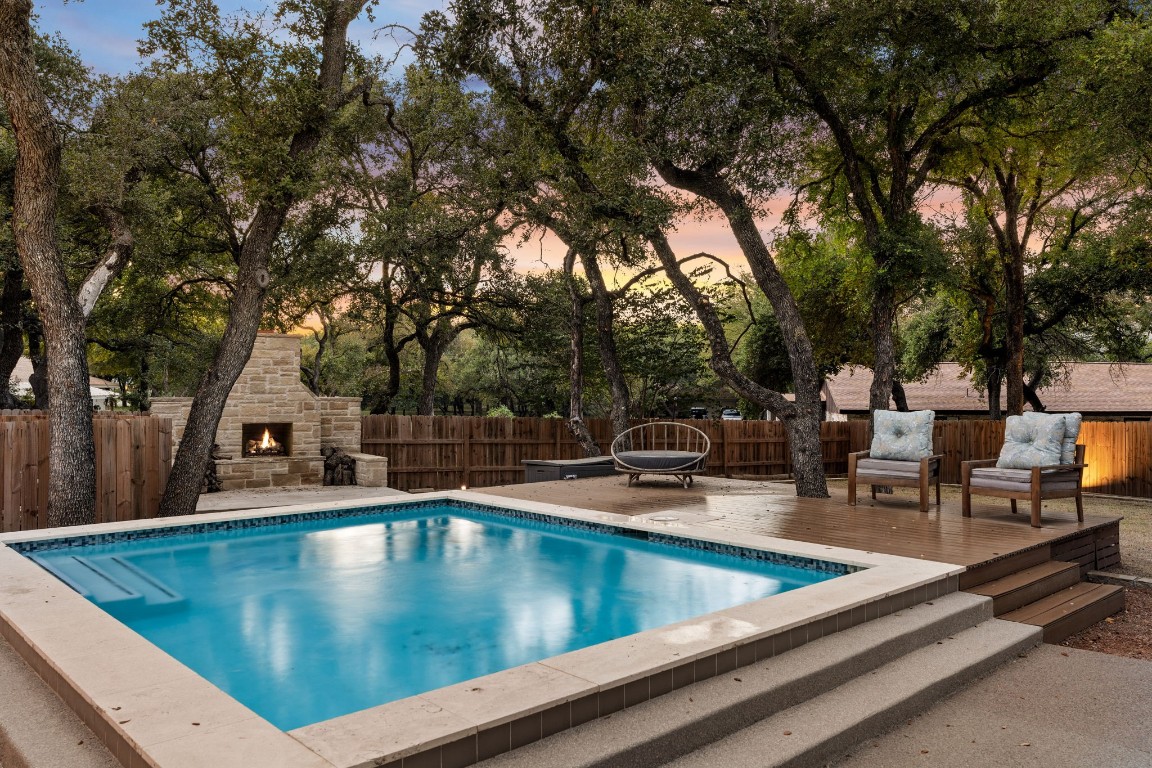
[
  {"x": 604, "y": 679},
  {"x": 490, "y": 510}
]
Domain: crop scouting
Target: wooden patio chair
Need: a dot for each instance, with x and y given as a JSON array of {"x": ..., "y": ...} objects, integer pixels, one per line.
[
  {"x": 1039, "y": 460},
  {"x": 1034, "y": 485},
  {"x": 904, "y": 444},
  {"x": 661, "y": 448},
  {"x": 920, "y": 474}
]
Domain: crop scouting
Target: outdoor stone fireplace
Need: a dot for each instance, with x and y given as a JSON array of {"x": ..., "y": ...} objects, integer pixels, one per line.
[{"x": 273, "y": 427}]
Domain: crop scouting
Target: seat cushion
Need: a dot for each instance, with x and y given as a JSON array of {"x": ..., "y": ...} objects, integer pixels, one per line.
[
  {"x": 898, "y": 436},
  {"x": 1032, "y": 440},
  {"x": 885, "y": 468},
  {"x": 1021, "y": 479},
  {"x": 660, "y": 461}
]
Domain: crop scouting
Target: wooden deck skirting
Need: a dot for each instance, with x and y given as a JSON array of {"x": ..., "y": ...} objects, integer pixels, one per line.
[{"x": 991, "y": 543}]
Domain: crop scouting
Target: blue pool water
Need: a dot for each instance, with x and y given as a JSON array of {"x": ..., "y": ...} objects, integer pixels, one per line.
[{"x": 307, "y": 621}]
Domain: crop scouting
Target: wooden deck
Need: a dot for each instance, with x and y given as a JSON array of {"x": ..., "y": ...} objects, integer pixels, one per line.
[{"x": 992, "y": 543}]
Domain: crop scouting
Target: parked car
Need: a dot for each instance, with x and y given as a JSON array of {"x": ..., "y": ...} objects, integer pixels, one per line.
[
  {"x": 730, "y": 414},
  {"x": 698, "y": 413}
]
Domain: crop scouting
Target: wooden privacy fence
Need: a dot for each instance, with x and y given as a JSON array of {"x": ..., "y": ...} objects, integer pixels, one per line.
[
  {"x": 452, "y": 451},
  {"x": 133, "y": 458}
]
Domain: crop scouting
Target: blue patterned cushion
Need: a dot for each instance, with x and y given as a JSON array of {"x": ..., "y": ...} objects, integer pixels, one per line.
[
  {"x": 1072, "y": 423},
  {"x": 1032, "y": 440},
  {"x": 898, "y": 436}
]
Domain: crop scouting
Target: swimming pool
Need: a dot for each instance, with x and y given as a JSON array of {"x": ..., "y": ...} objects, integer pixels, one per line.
[
  {"x": 147, "y": 705},
  {"x": 376, "y": 606}
]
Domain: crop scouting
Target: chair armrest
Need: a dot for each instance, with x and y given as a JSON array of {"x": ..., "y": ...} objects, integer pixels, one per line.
[
  {"x": 861, "y": 454},
  {"x": 974, "y": 463},
  {"x": 1051, "y": 467},
  {"x": 966, "y": 468}
]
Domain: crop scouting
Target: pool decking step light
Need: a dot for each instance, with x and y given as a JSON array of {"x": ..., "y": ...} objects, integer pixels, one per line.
[{"x": 663, "y": 518}]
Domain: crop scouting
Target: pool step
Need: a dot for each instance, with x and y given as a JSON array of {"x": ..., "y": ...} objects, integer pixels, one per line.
[
  {"x": 891, "y": 667},
  {"x": 113, "y": 583}
]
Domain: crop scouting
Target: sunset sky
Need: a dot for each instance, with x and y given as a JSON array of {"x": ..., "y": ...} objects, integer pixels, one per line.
[{"x": 105, "y": 33}]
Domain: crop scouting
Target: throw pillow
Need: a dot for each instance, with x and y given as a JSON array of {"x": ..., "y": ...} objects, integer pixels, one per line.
[
  {"x": 1031, "y": 440},
  {"x": 898, "y": 436}
]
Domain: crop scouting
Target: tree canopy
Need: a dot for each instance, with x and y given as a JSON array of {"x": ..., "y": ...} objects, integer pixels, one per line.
[{"x": 906, "y": 183}]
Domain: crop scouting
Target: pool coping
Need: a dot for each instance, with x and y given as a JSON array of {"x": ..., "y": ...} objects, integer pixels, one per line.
[{"x": 150, "y": 709}]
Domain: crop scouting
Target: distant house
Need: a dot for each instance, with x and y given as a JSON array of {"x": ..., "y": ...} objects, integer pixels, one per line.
[
  {"x": 100, "y": 389},
  {"x": 1100, "y": 391}
]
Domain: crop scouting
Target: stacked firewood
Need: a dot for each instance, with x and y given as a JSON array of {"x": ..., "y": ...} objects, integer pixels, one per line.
[
  {"x": 339, "y": 467},
  {"x": 211, "y": 482}
]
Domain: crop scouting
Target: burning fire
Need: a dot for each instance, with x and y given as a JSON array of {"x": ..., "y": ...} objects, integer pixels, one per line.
[{"x": 265, "y": 445}]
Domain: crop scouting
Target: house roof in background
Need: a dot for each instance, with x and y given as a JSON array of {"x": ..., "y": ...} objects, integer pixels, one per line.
[
  {"x": 23, "y": 370},
  {"x": 1089, "y": 388}
]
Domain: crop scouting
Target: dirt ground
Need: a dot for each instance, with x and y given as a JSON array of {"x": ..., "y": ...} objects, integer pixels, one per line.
[
  {"x": 1125, "y": 634},
  {"x": 1128, "y": 633}
]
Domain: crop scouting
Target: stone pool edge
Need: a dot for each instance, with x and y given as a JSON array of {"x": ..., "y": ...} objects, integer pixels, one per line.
[{"x": 151, "y": 710}]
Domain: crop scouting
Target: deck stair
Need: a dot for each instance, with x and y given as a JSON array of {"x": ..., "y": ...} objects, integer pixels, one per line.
[
  {"x": 1051, "y": 596},
  {"x": 803, "y": 707}
]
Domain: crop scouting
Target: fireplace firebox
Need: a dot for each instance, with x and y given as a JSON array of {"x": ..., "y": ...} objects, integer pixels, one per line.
[{"x": 267, "y": 439}]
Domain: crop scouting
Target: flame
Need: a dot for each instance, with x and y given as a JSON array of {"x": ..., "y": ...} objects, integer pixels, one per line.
[{"x": 266, "y": 442}]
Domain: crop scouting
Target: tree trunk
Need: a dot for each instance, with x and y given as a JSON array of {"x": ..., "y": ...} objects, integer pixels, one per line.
[
  {"x": 1014, "y": 333},
  {"x": 801, "y": 419},
  {"x": 1031, "y": 396},
  {"x": 252, "y": 280},
  {"x": 11, "y": 330},
  {"x": 144, "y": 389},
  {"x": 576, "y": 423},
  {"x": 38, "y": 379},
  {"x": 187, "y": 474},
  {"x": 433, "y": 353},
  {"x": 884, "y": 349},
  {"x": 392, "y": 357},
  {"x": 899, "y": 396},
  {"x": 992, "y": 388},
  {"x": 314, "y": 371},
  {"x": 71, "y": 453},
  {"x": 606, "y": 343}
]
